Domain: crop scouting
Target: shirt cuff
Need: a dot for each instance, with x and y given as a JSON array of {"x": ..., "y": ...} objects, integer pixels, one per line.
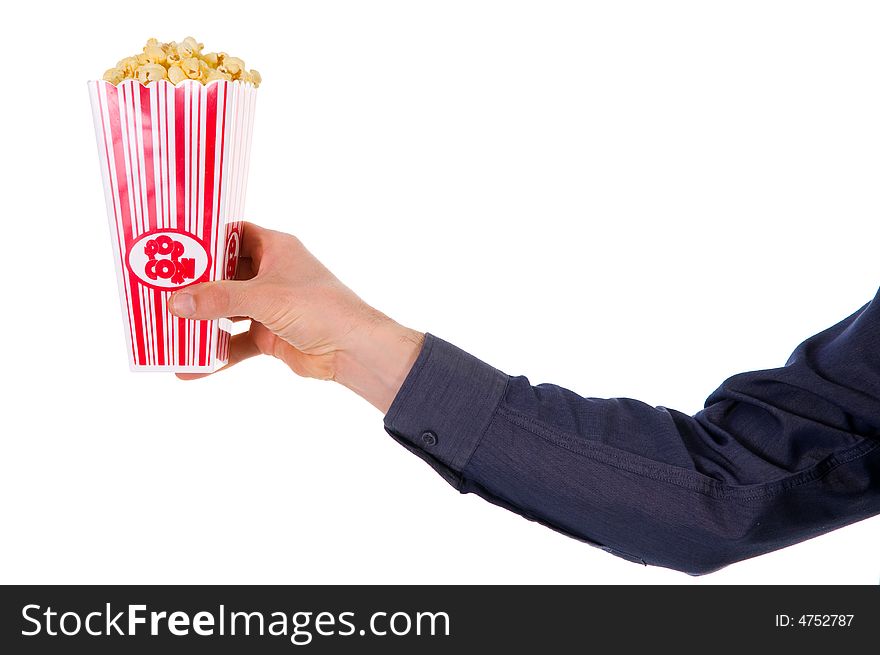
[{"x": 445, "y": 405}]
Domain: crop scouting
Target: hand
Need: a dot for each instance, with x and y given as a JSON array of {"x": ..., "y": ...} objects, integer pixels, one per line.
[{"x": 303, "y": 315}]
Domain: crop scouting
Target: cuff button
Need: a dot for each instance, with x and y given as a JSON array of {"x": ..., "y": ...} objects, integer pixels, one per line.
[{"x": 429, "y": 438}]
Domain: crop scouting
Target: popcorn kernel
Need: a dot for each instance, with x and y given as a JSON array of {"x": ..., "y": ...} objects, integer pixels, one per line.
[
  {"x": 151, "y": 73},
  {"x": 191, "y": 67},
  {"x": 175, "y": 74},
  {"x": 114, "y": 75},
  {"x": 154, "y": 54}
]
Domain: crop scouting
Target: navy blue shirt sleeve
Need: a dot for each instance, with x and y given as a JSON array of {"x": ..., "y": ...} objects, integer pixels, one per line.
[{"x": 774, "y": 457}]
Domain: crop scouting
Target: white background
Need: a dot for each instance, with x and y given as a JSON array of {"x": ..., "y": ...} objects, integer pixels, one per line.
[{"x": 625, "y": 198}]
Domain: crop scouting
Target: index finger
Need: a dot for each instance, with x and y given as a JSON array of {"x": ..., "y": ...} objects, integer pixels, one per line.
[{"x": 253, "y": 242}]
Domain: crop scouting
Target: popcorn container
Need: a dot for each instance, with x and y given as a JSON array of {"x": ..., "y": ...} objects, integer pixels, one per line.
[{"x": 174, "y": 160}]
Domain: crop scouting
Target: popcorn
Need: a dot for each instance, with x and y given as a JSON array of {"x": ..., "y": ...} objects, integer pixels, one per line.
[
  {"x": 114, "y": 75},
  {"x": 175, "y": 74},
  {"x": 214, "y": 74},
  {"x": 179, "y": 61},
  {"x": 155, "y": 54},
  {"x": 150, "y": 73},
  {"x": 184, "y": 50},
  {"x": 232, "y": 65},
  {"x": 129, "y": 66},
  {"x": 171, "y": 55},
  {"x": 192, "y": 45},
  {"x": 191, "y": 68}
]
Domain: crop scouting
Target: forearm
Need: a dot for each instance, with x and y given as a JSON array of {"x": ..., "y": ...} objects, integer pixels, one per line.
[{"x": 777, "y": 456}]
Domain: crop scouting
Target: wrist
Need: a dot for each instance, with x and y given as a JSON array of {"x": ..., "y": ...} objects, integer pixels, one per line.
[{"x": 376, "y": 360}]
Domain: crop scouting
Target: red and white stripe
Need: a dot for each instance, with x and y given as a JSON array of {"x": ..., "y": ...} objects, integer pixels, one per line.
[{"x": 177, "y": 158}]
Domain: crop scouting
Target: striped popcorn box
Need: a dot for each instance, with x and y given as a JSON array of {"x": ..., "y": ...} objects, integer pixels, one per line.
[{"x": 174, "y": 160}]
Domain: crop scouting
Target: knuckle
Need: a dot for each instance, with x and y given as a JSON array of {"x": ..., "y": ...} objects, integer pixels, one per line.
[{"x": 288, "y": 241}]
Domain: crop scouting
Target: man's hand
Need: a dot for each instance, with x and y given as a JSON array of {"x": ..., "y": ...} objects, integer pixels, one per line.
[{"x": 303, "y": 315}]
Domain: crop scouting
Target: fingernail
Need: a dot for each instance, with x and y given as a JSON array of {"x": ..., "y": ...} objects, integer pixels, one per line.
[{"x": 183, "y": 304}]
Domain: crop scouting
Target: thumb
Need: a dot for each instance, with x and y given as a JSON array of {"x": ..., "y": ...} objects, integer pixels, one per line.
[{"x": 216, "y": 300}]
